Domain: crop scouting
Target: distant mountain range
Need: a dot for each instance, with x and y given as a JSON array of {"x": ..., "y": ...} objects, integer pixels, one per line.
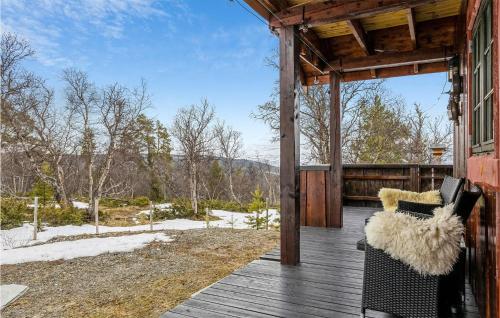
[{"x": 240, "y": 163}]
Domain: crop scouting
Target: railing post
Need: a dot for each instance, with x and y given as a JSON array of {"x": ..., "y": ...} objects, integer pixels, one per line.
[
  {"x": 415, "y": 178},
  {"x": 432, "y": 177}
]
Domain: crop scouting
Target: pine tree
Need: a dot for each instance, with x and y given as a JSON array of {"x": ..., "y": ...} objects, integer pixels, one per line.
[
  {"x": 257, "y": 205},
  {"x": 382, "y": 132},
  {"x": 41, "y": 189},
  {"x": 214, "y": 180},
  {"x": 154, "y": 140}
]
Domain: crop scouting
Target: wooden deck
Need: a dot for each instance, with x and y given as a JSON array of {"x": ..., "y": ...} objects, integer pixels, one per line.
[{"x": 327, "y": 283}]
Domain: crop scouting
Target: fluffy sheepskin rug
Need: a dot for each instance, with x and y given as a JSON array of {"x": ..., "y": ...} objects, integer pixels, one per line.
[
  {"x": 390, "y": 197},
  {"x": 429, "y": 246}
]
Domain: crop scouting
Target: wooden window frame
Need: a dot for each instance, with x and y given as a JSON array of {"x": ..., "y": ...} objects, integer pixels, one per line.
[{"x": 482, "y": 101}]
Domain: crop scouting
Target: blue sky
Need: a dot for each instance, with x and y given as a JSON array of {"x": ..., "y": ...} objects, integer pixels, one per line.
[{"x": 184, "y": 49}]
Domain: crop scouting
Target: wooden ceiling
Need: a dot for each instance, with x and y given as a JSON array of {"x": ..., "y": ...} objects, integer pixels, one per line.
[{"x": 364, "y": 39}]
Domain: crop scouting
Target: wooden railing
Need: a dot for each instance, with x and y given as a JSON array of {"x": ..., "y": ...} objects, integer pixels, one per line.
[{"x": 361, "y": 185}]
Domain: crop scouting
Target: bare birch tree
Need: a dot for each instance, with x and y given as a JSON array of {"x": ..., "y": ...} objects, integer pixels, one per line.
[
  {"x": 192, "y": 130},
  {"x": 30, "y": 122},
  {"x": 315, "y": 113},
  {"x": 106, "y": 123},
  {"x": 230, "y": 148}
]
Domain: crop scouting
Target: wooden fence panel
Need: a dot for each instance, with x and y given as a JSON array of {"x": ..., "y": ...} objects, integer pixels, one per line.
[{"x": 362, "y": 183}]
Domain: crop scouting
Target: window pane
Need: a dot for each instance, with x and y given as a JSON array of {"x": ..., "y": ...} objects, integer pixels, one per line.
[
  {"x": 474, "y": 90},
  {"x": 478, "y": 87},
  {"x": 475, "y": 50},
  {"x": 487, "y": 72},
  {"x": 488, "y": 120},
  {"x": 474, "y": 128},
  {"x": 487, "y": 24},
  {"x": 477, "y": 131}
]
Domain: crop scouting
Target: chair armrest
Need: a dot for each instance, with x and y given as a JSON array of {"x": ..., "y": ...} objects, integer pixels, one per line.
[
  {"x": 417, "y": 215},
  {"x": 424, "y": 208}
]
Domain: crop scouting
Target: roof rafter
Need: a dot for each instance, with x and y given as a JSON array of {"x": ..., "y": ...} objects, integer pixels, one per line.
[
  {"x": 312, "y": 42},
  {"x": 359, "y": 33},
  {"x": 410, "y": 15},
  {"x": 317, "y": 13},
  {"x": 278, "y": 5}
]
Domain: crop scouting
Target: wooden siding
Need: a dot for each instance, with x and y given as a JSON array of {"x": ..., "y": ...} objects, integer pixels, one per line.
[
  {"x": 328, "y": 282},
  {"x": 483, "y": 228}
]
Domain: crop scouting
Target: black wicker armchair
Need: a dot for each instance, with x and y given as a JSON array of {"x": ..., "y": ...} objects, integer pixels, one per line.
[
  {"x": 393, "y": 287},
  {"x": 450, "y": 188}
]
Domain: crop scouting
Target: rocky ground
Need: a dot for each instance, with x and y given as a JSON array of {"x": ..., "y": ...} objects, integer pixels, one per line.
[{"x": 143, "y": 283}]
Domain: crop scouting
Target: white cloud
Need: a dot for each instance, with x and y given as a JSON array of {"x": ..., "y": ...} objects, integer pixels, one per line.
[{"x": 44, "y": 22}]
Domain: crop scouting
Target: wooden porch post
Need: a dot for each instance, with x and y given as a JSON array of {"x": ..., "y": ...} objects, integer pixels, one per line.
[
  {"x": 335, "y": 215},
  {"x": 289, "y": 146}
]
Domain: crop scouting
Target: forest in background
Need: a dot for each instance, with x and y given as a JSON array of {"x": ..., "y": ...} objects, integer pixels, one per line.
[{"x": 99, "y": 143}]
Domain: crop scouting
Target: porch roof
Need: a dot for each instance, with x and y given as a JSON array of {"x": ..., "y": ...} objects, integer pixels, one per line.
[{"x": 368, "y": 39}]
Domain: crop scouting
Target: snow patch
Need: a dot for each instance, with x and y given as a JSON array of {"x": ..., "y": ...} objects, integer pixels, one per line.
[
  {"x": 80, "y": 248},
  {"x": 21, "y": 236},
  {"x": 80, "y": 205}
]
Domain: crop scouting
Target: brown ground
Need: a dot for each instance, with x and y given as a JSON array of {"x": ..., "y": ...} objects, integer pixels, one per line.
[{"x": 143, "y": 283}]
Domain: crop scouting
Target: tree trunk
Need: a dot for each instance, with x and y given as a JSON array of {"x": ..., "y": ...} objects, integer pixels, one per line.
[
  {"x": 194, "y": 188},
  {"x": 90, "y": 168},
  {"x": 63, "y": 198},
  {"x": 231, "y": 188}
]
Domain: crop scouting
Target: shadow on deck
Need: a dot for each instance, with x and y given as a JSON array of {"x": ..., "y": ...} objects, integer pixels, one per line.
[{"x": 327, "y": 283}]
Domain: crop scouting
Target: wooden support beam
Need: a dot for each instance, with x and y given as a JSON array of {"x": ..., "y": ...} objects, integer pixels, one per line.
[
  {"x": 385, "y": 60},
  {"x": 373, "y": 73},
  {"x": 278, "y": 5},
  {"x": 334, "y": 218},
  {"x": 289, "y": 146},
  {"x": 381, "y": 73},
  {"x": 318, "y": 13},
  {"x": 410, "y": 16},
  {"x": 359, "y": 33},
  {"x": 311, "y": 42},
  {"x": 259, "y": 8}
]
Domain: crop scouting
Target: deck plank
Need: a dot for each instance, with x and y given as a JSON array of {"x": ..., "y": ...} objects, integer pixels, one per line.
[{"x": 327, "y": 283}]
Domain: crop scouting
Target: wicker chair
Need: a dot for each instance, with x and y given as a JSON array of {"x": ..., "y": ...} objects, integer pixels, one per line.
[
  {"x": 393, "y": 287},
  {"x": 449, "y": 191}
]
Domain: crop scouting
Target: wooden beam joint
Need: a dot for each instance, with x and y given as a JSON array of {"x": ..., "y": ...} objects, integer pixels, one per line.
[
  {"x": 410, "y": 15},
  {"x": 360, "y": 35}
]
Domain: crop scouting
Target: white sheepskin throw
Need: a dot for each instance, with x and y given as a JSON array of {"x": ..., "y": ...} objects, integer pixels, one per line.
[
  {"x": 390, "y": 197},
  {"x": 429, "y": 246}
]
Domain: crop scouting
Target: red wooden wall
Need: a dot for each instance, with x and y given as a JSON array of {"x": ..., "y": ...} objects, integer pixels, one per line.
[{"x": 483, "y": 228}]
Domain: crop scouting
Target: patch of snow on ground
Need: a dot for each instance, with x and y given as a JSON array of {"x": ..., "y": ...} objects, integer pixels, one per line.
[
  {"x": 80, "y": 205},
  {"x": 80, "y": 248},
  {"x": 76, "y": 204},
  {"x": 21, "y": 236},
  {"x": 160, "y": 206}
]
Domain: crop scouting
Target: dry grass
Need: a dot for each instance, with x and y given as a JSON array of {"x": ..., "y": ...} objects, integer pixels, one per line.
[
  {"x": 143, "y": 283},
  {"x": 122, "y": 216}
]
